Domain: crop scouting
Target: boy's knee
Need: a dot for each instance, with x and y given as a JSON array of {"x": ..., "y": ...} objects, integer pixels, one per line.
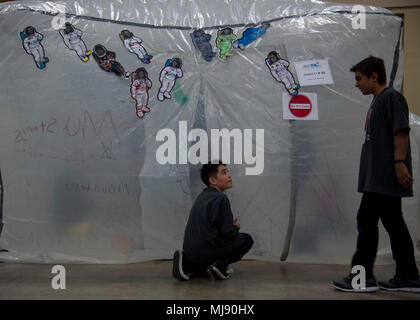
[
  {"x": 248, "y": 239},
  {"x": 366, "y": 224}
]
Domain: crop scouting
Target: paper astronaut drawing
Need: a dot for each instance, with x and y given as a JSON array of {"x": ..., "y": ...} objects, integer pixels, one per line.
[
  {"x": 31, "y": 41},
  {"x": 168, "y": 76},
  {"x": 279, "y": 69},
  {"x": 140, "y": 85},
  {"x": 134, "y": 45},
  {"x": 224, "y": 40},
  {"x": 72, "y": 38},
  {"x": 250, "y": 35},
  {"x": 106, "y": 61},
  {"x": 201, "y": 41}
]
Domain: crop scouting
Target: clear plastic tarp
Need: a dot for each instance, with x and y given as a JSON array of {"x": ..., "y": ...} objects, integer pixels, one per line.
[{"x": 82, "y": 180}]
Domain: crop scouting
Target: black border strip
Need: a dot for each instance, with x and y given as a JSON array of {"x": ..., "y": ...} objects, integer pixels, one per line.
[
  {"x": 396, "y": 58},
  {"x": 1, "y": 203}
]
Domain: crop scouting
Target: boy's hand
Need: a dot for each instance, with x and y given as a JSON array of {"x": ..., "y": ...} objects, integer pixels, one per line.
[
  {"x": 235, "y": 223},
  {"x": 403, "y": 176}
]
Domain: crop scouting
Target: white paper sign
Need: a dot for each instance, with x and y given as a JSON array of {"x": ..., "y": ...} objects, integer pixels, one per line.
[
  {"x": 303, "y": 106},
  {"x": 313, "y": 72}
]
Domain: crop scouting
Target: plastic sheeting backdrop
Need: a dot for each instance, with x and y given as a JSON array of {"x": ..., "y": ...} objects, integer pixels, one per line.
[{"x": 79, "y": 167}]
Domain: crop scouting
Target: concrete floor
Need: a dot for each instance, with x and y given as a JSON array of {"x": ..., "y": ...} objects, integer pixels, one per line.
[{"x": 153, "y": 280}]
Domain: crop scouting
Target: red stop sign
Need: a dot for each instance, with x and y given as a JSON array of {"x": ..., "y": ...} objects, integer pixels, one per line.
[{"x": 300, "y": 106}]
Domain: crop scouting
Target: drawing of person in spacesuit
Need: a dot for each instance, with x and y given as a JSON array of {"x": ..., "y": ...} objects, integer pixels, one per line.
[
  {"x": 106, "y": 61},
  {"x": 224, "y": 42},
  {"x": 250, "y": 35},
  {"x": 72, "y": 38},
  {"x": 140, "y": 85},
  {"x": 280, "y": 72},
  {"x": 201, "y": 41},
  {"x": 133, "y": 45},
  {"x": 168, "y": 76},
  {"x": 31, "y": 41}
]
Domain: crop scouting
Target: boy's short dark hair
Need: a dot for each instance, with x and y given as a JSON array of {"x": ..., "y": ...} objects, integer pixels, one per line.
[
  {"x": 209, "y": 170},
  {"x": 369, "y": 65}
]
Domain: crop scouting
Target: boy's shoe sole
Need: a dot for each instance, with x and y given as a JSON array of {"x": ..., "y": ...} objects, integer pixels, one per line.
[
  {"x": 216, "y": 274},
  {"x": 177, "y": 271},
  {"x": 366, "y": 290},
  {"x": 383, "y": 286}
]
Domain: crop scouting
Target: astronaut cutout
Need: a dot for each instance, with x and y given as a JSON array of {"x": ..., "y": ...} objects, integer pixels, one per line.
[
  {"x": 106, "y": 61},
  {"x": 168, "y": 76},
  {"x": 133, "y": 45},
  {"x": 280, "y": 72},
  {"x": 140, "y": 85},
  {"x": 201, "y": 41},
  {"x": 31, "y": 41},
  {"x": 224, "y": 42},
  {"x": 250, "y": 35},
  {"x": 72, "y": 38}
]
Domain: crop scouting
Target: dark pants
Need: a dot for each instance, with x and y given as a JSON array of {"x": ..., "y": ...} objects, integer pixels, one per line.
[
  {"x": 1, "y": 204},
  {"x": 224, "y": 256},
  {"x": 387, "y": 208}
]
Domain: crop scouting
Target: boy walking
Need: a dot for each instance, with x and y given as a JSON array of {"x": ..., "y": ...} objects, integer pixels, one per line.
[
  {"x": 385, "y": 175},
  {"x": 212, "y": 240}
]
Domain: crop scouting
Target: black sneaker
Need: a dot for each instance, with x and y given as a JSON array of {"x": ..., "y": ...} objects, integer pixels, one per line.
[
  {"x": 346, "y": 286},
  {"x": 398, "y": 284},
  {"x": 177, "y": 270},
  {"x": 217, "y": 272}
]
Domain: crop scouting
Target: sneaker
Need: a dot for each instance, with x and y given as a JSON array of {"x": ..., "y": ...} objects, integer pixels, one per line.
[
  {"x": 398, "y": 284},
  {"x": 146, "y": 109},
  {"x": 160, "y": 96},
  {"x": 177, "y": 270},
  {"x": 345, "y": 285},
  {"x": 167, "y": 95},
  {"x": 216, "y": 272}
]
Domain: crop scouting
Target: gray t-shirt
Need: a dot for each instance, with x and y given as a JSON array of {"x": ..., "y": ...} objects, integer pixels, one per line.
[{"x": 388, "y": 114}]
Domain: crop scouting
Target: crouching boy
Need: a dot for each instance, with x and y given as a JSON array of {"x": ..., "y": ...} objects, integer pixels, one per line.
[{"x": 212, "y": 240}]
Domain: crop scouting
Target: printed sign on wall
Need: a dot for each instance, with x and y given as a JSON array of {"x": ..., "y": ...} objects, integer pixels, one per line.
[
  {"x": 313, "y": 72},
  {"x": 303, "y": 106}
]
